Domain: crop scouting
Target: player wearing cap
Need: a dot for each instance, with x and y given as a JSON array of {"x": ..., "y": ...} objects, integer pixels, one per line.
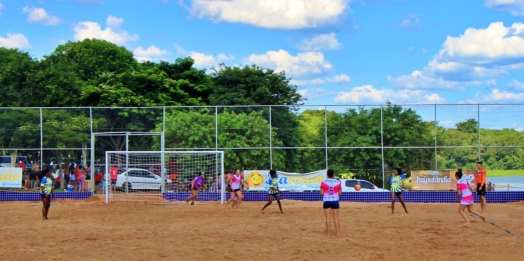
[{"x": 195, "y": 186}]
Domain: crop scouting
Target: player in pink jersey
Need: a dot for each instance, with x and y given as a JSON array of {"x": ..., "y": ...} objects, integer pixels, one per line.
[
  {"x": 466, "y": 197},
  {"x": 235, "y": 183},
  {"x": 331, "y": 189}
]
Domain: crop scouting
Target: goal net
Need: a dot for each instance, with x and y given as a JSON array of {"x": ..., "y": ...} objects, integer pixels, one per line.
[{"x": 153, "y": 176}]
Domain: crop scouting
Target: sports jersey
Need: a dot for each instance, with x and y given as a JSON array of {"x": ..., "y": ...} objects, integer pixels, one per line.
[
  {"x": 198, "y": 182},
  {"x": 396, "y": 182},
  {"x": 466, "y": 197},
  {"x": 236, "y": 181},
  {"x": 46, "y": 185},
  {"x": 114, "y": 173},
  {"x": 331, "y": 187},
  {"x": 481, "y": 177},
  {"x": 273, "y": 186}
]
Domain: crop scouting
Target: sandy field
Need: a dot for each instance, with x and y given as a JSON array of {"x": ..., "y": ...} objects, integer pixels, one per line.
[{"x": 92, "y": 230}]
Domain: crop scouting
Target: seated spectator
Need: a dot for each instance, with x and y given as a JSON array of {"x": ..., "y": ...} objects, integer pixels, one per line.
[{"x": 491, "y": 187}]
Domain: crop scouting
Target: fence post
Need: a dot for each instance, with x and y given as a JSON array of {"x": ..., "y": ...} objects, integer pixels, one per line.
[
  {"x": 382, "y": 144},
  {"x": 325, "y": 137},
  {"x": 270, "y": 140},
  {"x": 435, "y": 127}
]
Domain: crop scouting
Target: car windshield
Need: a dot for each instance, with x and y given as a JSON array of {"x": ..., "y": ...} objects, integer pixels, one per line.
[
  {"x": 366, "y": 185},
  {"x": 6, "y": 159}
]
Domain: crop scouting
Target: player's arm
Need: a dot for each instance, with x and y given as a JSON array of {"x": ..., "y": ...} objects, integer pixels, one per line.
[
  {"x": 340, "y": 191},
  {"x": 459, "y": 192},
  {"x": 246, "y": 185},
  {"x": 321, "y": 191},
  {"x": 192, "y": 184}
]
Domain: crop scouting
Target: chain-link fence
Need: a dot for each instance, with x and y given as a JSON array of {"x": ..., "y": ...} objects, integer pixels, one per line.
[{"x": 359, "y": 141}]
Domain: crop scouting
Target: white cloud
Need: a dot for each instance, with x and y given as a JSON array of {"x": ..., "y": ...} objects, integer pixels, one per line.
[
  {"x": 486, "y": 53},
  {"x": 446, "y": 123},
  {"x": 303, "y": 64},
  {"x": 207, "y": 61},
  {"x": 179, "y": 49},
  {"x": 114, "y": 21},
  {"x": 289, "y": 14},
  {"x": 112, "y": 33},
  {"x": 500, "y": 96},
  {"x": 320, "y": 42},
  {"x": 515, "y": 7},
  {"x": 410, "y": 20},
  {"x": 151, "y": 53},
  {"x": 368, "y": 93},
  {"x": 341, "y": 78},
  {"x": 17, "y": 40},
  {"x": 314, "y": 93},
  {"x": 40, "y": 16},
  {"x": 516, "y": 85}
]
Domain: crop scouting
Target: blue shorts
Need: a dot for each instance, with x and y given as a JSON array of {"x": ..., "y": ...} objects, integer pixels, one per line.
[{"x": 331, "y": 204}]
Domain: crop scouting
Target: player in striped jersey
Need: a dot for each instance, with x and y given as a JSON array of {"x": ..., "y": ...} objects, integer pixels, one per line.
[
  {"x": 273, "y": 191},
  {"x": 46, "y": 191}
]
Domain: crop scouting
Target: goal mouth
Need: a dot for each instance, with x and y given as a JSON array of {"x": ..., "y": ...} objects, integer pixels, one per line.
[{"x": 149, "y": 177}]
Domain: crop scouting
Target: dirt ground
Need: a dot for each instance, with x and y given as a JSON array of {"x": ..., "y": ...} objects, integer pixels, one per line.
[{"x": 92, "y": 230}]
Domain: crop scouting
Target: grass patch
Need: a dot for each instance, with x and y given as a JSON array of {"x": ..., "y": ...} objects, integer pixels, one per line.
[{"x": 504, "y": 173}]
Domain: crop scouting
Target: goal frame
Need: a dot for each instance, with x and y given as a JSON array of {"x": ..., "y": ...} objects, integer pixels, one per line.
[
  {"x": 92, "y": 187},
  {"x": 107, "y": 175}
]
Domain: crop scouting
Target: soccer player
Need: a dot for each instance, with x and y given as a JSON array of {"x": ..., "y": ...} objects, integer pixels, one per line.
[
  {"x": 396, "y": 187},
  {"x": 481, "y": 186},
  {"x": 46, "y": 191},
  {"x": 235, "y": 182},
  {"x": 466, "y": 197},
  {"x": 195, "y": 186},
  {"x": 331, "y": 189},
  {"x": 273, "y": 191}
]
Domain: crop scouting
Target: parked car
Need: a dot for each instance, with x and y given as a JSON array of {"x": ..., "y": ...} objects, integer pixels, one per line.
[
  {"x": 348, "y": 185},
  {"x": 138, "y": 179},
  {"x": 5, "y": 161}
]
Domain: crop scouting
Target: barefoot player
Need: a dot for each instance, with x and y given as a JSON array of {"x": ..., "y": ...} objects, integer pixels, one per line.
[{"x": 273, "y": 191}]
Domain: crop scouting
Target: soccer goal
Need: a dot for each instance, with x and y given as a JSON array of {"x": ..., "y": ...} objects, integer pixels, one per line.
[{"x": 152, "y": 176}]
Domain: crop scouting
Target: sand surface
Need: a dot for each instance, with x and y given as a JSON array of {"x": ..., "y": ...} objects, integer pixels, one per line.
[{"x": 92, "y": 230}]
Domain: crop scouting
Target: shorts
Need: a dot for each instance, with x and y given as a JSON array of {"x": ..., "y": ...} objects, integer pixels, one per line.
[
  {"x": 45, "y": 195},
  {"x": 481, "y": 190},
  {"x": 195, "y": 189},
  {"x": 331, "y": 204},
  {"x": 236, "y": 190},
  {"x": 398, "y": 193},
  {"x": 466, "y": 202},
  {"x": 97, "y": 182},
  {"x": 273, "y": 194},
  {"x": 113, "y": 182}
]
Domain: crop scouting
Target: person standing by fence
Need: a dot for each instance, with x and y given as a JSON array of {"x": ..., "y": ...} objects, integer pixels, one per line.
[
  {"x": 46, "y": 191},
  {"x": 481, "y": 186}
]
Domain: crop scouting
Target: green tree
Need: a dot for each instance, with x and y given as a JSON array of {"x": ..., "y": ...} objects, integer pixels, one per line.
[{"x": 16, "y": 69}]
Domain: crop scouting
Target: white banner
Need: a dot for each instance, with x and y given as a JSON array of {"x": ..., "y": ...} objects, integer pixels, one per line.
[
  {"x": 287, "y": 181},
  {"x": 10, "y": 177}
]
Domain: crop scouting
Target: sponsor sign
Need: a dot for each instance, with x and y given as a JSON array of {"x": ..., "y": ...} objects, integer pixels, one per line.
[
  {"x": 10, "y": 177},
  {"x": 258, "y": 180},
  {"x": 439, "y": 180}
]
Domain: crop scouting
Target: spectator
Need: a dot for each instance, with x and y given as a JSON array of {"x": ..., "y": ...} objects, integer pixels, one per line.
[
  {"x": 34, "y": 173},
  {"x": 491, "y": 187},
  {"x": 113, "y": 171},
  {"x": 80, "y": 178},
  {"x": 98, "y": 180}
]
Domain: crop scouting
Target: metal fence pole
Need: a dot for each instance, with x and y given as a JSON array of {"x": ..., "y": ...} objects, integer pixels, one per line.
[
  {"x": 435, "y": 127},
  {"x": 382, "y": 144},
  {"x": 92, "y": 165},
  {"x": 41, "y": 142},
  {"x": 478, "y": 122},
  {"x": 325, "y": 137},
  {"x": 270, "y": 141}
]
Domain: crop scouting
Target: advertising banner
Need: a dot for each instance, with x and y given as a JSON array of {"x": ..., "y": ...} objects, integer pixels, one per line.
[
  {"x": 287, "y": 181},
  {"x": 439, "y": 179},
  {"x": 10, "y": 177}
]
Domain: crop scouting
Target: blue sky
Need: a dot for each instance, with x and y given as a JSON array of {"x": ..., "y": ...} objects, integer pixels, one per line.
[{"x": 337, "y": 52}]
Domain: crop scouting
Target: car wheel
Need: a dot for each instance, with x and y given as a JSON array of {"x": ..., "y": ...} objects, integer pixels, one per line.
[{"x": 126, "y": 187}]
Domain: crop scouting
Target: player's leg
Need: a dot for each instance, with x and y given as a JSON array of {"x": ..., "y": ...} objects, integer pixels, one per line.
[
  {"x": 231, "y": 198},
  {"x": 462, "y": 213},
  {"x": 393, "y": 202},
  {"x": 269, "y": 201},
  {"x": 327, "y": 212},
  {"x": 401, "y": 199},
  {"x": 483, "y": 203},
  {"x": 43, "y": 206},
  {"x": 277, "y": 197},
  {"x": 240, "y": 197},
  {"x": 471, "y": 210},
  {"x": 195, "y": 196},
  {"x": 336, "y": 220}
]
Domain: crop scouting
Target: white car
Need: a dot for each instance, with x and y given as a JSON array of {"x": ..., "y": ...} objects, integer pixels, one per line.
[
  {"x": 348, "y": 185},
  {"x": 138, "y": 179}
]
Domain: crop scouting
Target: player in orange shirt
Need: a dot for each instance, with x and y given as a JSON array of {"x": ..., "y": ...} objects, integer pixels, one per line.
[{"x": 481, "y": 186}]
